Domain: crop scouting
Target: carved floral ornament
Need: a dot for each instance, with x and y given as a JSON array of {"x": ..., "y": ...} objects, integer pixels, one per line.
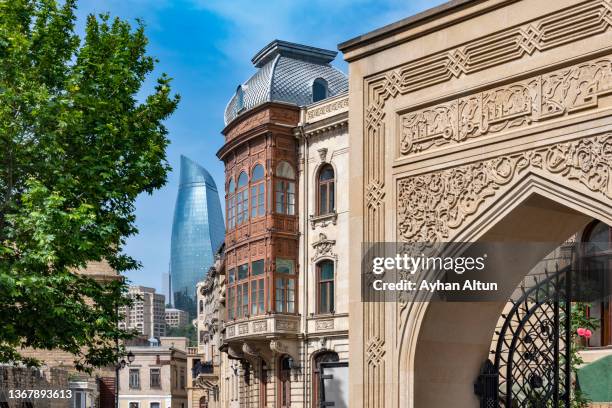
[
  {"x": 433, "y": 204},
  {"x": 512, "y": 106},
  {"x": 323, "y": 247}
]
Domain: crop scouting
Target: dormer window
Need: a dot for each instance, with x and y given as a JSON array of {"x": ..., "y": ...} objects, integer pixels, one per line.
[
  {"x": 239, "y": 99},
  {"x": 319, "y": 90}
]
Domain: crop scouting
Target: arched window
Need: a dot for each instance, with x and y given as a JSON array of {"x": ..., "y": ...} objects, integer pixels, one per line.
[
  {"x": 326, "y": 190},
  {"x": 321, "y": 358},
  {"x": 325, "y": 287},
  {"x": 239, "y": 98},
  {"x": 319, "y": 89},
  {"x": 242, "y": 199},
  {"x": 284, "y": 189},
  {"x": 231, "y": 204},
  {"x": 257, "y": 192}
]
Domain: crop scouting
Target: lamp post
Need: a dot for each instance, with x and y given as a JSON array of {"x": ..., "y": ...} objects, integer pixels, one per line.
[{"x": 121, "y": 364}]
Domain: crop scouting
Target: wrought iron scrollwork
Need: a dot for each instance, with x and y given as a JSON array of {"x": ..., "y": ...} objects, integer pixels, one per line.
[{"x": 532, "y": 348}]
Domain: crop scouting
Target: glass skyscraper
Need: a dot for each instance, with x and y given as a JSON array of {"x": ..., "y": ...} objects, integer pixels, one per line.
[{"x": 198, "y": 230}]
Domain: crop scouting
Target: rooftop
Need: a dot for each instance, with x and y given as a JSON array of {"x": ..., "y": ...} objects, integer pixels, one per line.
[{"x": 286, "y": 73}]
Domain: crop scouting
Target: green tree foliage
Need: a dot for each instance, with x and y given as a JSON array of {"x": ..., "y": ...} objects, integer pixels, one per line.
[{"x": 76, "y": 149}]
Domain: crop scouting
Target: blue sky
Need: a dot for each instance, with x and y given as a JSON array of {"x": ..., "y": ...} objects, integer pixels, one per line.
[{"x": 206, "y": 46}]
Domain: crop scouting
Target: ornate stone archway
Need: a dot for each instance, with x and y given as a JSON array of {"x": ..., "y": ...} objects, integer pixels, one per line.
[{"x": 460, "y": 126}]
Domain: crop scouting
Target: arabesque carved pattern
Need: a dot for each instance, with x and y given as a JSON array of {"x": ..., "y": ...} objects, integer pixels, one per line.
[
  {"x": 430, "y": 206},
  {"x": 508, "y": 107}
]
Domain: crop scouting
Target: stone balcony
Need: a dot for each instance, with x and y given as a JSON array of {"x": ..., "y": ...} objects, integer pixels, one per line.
[{"x": 262, "y": 327}]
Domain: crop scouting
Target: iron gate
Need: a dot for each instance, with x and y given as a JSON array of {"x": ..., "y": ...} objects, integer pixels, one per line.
[{"x": 530, "y": 365}]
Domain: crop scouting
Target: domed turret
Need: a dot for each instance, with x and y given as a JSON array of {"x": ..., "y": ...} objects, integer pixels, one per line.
[{"x": 289, "y": 73}]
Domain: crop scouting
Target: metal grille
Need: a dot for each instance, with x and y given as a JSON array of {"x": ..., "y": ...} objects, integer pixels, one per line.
[{"x": 531, "y": 357}]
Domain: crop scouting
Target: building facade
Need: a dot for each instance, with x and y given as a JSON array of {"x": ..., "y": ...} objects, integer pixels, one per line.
[
  {"x": 206, "y": 361},
  {"x": 147, "y": 312},
  {"x": 157, "y": 377},
  {"x": 197, "y": 232},
  {"x": 475, "y": 121},
  {"x": 176, "y": 317},
  {"x": 286, "y": 275}
]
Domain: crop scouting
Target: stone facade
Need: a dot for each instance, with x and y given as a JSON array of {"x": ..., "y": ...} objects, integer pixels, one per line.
[
  {"x": 157, "y": 378},
  {"x": 483, "y": 120}
]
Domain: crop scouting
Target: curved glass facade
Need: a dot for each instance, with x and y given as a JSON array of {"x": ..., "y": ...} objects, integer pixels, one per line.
[{"x": 198, "y": 230}]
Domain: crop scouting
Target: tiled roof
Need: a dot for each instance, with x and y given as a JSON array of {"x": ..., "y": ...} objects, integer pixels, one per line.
[{"x": 286, "y": 73}]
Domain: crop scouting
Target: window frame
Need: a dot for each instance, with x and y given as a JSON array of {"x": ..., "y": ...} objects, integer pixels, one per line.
[
  {"x": 329, "y": 283},
  {"x": 285, "y": 186},
  {"x": 131, "y": 385},
  {"x": 158, "y": 385},
  {"x": 322, "y": 82},
  {"x": 257, "y": 189},
  {"x": 330, "y": 186}
]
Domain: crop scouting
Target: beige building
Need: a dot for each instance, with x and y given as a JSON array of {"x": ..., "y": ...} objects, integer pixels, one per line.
[
  {"x": 206, "y": 361},
  {"x": 176, "y": 317},
  {"x": 475, "y": 121},
  {"x": 157, "y": 378},
  {"x": 147, "y": 313}
]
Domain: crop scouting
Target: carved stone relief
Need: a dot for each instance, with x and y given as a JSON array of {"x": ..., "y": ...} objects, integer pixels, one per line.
[
  {"x": 433, "y": 204},
  {"x": 323, "y": 247},
  {"x": 512, "y": 106}
]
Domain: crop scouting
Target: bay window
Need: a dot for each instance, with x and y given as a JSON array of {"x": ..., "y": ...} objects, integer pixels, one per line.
[
  {"x": 284, "y": 189},
  {"x": 242, "y": 199}
]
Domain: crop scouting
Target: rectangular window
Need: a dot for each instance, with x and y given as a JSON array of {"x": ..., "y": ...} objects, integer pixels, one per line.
[
  {"x": 230, "y": 303},
  {"x": 133, "y": 405},
  {"x": 239, "y": 300},
  {"x": 291, "y": 198},
  {"x": 257, "y": 200},
  {"x": 325, "y": 271},
  {"x": 257, "y": 297},
  {"x": 134, "y": 378},
  {"x": 182, "y": 378},
  {"x": 285, "y": 266},
  {"x": 243, "y": 271},
  {"x": 155, "y": 378},
  {"x": 245, "y": 299},
  {"x": 280, "y": 197},
  {"x": 285, "y": 295},
  {"x": 232, "y": 276},
  {"x": 257, "y": 267},
  {"x": 284, "y": 194},
  {"x": 154, "y": 405}
]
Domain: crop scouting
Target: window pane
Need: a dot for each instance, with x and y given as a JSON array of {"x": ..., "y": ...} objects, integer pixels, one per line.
[
  {"x": 230, "y": 303},
  {"x": 332, "y": 204},
  {"x": 291, "y": 199},
  {"x": 261, "y": 296},
  {"x": 327, "y": 270},
  {"x": 257, "y": 267},
  {"x": 231, "y": 186},
  {"x": 260, "y": 200},
  {"x": 280, "y": 295},
  {"x": 239, "y": 301},
  {"x": 245, "y": 299},
  {"x": 285, "y": 266},
  {"x": 243, "y": 179},
  {"x": 323, "y": 296},
  {"x": 280, "y": 197},
  {"x": 232, "y": 275},
  {"x": 327, "y": 173},
  {"x": 253, "y": 201},
  {"x": 290, "y": 296},
  {"x": 258, "y": 173},
  {"x": 243, "y": 271},
  {"x": 253, "y": 298},
  {"x": 323, "y": 199},
  {"x": 285, "y": 170}
]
